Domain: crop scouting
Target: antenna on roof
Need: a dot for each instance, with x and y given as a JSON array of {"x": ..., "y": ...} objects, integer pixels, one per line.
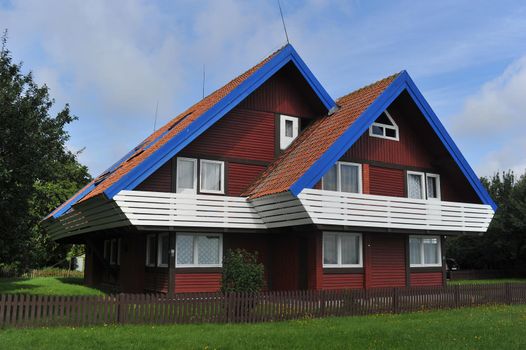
[
  {"x": 155, "y": 119},
  {"x": 283, "y": 21},
  {"x": 203, "y": 80}
]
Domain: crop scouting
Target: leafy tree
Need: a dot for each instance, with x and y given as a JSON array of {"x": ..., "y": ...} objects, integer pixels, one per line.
[
  {"x": 242, "y": 272},
  {"x": 503, "y": 246},
  {"x": 37, "y": 172}
]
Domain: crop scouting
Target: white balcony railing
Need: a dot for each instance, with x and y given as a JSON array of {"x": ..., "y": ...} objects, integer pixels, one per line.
[{"x": 360, "y": 210}]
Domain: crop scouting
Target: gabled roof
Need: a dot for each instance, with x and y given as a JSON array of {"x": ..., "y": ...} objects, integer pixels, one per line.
[
  {"x": 325, "y": 141},
  {"x": 163, "y": 144}
]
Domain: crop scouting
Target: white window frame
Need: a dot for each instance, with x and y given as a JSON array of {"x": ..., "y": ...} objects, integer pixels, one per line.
[
  {"x": 339, "y": 252},
  {"x": 159, "y": 250},
  {"x": 422, "y": 256},
  {"x": 196, "y": 249},
  {"x": 386, "y": 126},
  {"x": 186, "y": 190},
  {"x": 339, "y": 177},
  {"x": 437, "y": 179},
  {"x": 422, "y": 183},
  {"x": 285, "y": 141},
  {"x": 113, "y": 253},
  {"x": 148, "y": 250},
  {"x": 222, "y": 164}
]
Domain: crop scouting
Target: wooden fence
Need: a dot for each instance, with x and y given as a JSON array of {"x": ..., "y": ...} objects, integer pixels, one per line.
[{"x": 31, "y": 310}]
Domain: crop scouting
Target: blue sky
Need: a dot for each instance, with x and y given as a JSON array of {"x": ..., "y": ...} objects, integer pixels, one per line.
[{"x": 113, "y": 61}]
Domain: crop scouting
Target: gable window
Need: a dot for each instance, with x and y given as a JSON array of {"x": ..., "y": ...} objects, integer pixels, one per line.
[
  {"x": 199, "y": 250},
  {"x": 288, "y": 130},
  {"x": 163, "y": 249},
  {"x": 186, "y": 175},
  {"x": 343, "y": 177},
  {"x": 424, "y": 251},
  {"x": 342, "y": 249},
  {"x": 422, "y": 186},
  {"x": 212, "y": 176},
  {"x": 150, "y": 250},
  {"x": 384, "y": 127}
]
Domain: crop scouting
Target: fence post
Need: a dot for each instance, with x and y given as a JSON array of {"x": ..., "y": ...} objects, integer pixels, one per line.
[
  {"x": 508, "y": 293},
  {"x": 121, "y": 309},
  {"x": 457, "y": 296},
  {"x": 395, "y": 301}
]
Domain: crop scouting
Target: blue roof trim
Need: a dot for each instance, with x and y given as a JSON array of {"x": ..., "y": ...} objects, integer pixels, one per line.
[
  {"x": 356, "y": 130},
  {"x": 201, "y": 124},
  {"x": 78, "y": 196}
]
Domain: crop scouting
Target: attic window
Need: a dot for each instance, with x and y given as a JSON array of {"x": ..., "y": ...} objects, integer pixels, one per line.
[
  {"x": 384, "y": 127},
  {"x": 288, "y": 130}
]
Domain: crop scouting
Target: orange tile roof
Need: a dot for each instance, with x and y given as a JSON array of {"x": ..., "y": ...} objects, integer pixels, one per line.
[
  {"x": 164, "y": 134},
  {"x": 315, "y": 141}
]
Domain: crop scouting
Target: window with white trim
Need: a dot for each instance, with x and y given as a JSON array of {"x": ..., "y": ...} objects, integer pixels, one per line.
[
  {"x": 212, "y": 178},
  {"x": 424, "y": 251},
  {"x": 186, "y": 181},
  {"x": 151, "y": 241},
  {"x": 343, "y": 177},
  {"x": 423, "y": 185},
  {"x": 163, "y": 250},
  {"x": 199, "y": 250},
  {"x": 384, "y": 127},
  {"x": 107, "y": 249},
  {"x": 288, "y": 130},
  {"x": 342, "y": 249}
]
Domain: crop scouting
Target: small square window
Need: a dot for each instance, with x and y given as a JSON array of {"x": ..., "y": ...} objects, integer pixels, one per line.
[
  {"x": 424, "y": 251},
  {"x": 289, "y": 129},
  {"x": 199, "y": 250},
  {"x": 342, "y": 249},
  {"x": 186, "y": 175},
  {"x": 212, "y": 176}
]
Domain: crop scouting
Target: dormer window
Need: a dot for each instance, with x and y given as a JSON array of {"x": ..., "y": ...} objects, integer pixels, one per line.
[
  {"x": 288, "y": 130},
  {"x": 384, "y": 127}
]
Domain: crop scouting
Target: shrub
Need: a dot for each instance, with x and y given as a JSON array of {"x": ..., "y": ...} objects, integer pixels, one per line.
[{"x": 241, "y": 272}]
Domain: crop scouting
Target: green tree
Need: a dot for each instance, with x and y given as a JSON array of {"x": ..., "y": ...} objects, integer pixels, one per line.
[
  {"x": 37, "y": 172},
  {"x": 242, "y": 272},
  {"x": 504, "y": 244}
]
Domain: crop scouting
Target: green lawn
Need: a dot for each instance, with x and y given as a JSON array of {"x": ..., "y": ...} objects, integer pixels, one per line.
[
  {"x": 489, "y": 281},
  {"x": 46, "y": 286},
  {"x": 496, "y": 327}
]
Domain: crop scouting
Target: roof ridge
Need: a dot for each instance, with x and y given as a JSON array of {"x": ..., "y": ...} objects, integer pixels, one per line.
[{"x": 379, "y": 81}]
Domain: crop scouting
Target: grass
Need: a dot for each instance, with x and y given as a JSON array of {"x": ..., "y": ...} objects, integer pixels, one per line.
[
  {"x": 488, "y": 281},
  {"x": 495, "y": 327},
  {"x": 46, "y": 286}
]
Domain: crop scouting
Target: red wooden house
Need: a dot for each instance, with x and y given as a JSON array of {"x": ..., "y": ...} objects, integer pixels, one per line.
[{"x": 360, "y": 192}]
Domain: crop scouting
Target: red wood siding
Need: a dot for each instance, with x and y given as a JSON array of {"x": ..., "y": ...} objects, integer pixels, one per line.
[
  {"x": 426, "y": 279},
  {"x": 156, "y": 280},
  {"x": 159, "y": 181},
  {"x": 240, "y": 176},
  {"x": 386, "y": 181},
  {"x": 343, "y": 281},
  {"x": 285, "y": 93},
  {"x": 385, "y": 264},
  {"x": 197, "y": 282},
  {"x": 242, "y": 133}
]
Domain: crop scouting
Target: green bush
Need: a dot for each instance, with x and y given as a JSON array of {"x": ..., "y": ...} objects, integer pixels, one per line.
[{"x": 242, "y": 272}]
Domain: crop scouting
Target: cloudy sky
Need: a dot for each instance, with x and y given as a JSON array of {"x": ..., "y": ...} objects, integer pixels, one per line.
[{"x": 114, "y": 61}]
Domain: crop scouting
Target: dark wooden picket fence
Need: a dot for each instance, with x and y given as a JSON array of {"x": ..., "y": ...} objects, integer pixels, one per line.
[{"x": 31, "y": 310}]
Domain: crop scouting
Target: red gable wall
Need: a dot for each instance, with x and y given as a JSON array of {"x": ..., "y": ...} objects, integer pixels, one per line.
[{"x": 245, "y": 138}]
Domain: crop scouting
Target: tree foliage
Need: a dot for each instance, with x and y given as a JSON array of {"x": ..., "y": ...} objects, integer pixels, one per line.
[
  {"x": 37, "y": 172},
  {"x": 242, "y": 272},
  {"x": 503, "y": 246}
]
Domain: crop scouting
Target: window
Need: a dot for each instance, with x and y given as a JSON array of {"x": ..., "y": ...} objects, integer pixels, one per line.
[
  {"x": 212, "y": 176},
  {"x": 199, "y": 250},
  {"x": 415, "y": 185},
  {"x": 114, "y": 251},
  {"x": 344, "y": 177},
  {"x": 186, "y": 175},
  {"x": 163, "y": 250},
  {"x": 150, "y": 250},
  {"x": 433, "y": 186},
  {"x": 420, "y": 189},
  {"x": 107, "y": 249},
  {"x": 342, "y": 249},
  {"x": 119, "y": 248},
  {"x": 384, "y": 127},
  {"x": 288, "y": 130},
  {"x": 424, "y": 251}
]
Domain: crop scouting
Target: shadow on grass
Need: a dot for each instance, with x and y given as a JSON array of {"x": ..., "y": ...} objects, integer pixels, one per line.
[{"x": 12, "y": 285}]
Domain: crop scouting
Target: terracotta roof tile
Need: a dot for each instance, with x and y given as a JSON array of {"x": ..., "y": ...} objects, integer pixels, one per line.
[{"x": 315, "y": 141}]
